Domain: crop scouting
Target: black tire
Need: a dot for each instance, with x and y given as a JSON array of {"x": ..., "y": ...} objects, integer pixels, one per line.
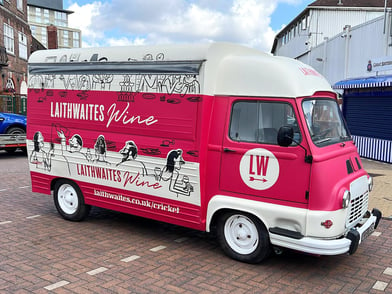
[
  {"x": 69, "y": 201},
  {"x": 14, "y": 131},
  {"x": 243, "y": 237},
  {"x": 10, "y": 150}
]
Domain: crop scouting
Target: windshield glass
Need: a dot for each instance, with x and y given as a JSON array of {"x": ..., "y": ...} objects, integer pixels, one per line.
[{"x": 324, "y": 121}]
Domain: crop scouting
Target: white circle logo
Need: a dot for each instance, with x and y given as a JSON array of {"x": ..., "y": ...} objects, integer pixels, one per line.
[{"x": 259, "y": 169}]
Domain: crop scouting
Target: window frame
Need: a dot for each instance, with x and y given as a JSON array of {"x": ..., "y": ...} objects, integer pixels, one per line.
[
  {"x": 22, "y": 45},
  {"x": 342, "y": 124},
  {"x": 76, "y": 39},
  {"x": 38, "y": 15},
  {"x": 9, "y": 38},
  {"x": 258, "y": 102},
  {"x": 19, "y": 5}
]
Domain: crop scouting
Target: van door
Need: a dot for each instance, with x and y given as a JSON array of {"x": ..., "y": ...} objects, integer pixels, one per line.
[{"x": 252, "y": 161}]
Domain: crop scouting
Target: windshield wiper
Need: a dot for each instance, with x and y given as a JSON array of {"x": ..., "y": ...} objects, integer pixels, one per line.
[
  {"x": 344, "y": 138},
  {"x": 322, "y": 140}
]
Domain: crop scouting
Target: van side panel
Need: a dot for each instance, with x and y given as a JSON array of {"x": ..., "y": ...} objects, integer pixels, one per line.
[{"x": 136, "y": 152}]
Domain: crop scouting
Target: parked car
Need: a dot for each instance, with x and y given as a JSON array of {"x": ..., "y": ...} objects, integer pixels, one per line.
[{"x": 12, "y": 124}]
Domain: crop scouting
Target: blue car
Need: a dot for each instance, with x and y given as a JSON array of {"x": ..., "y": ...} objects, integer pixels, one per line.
[{"x": 11, "y": 123}]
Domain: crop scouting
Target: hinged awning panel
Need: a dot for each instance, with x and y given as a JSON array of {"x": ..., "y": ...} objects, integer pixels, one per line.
[{"x": 366, "y": 82}]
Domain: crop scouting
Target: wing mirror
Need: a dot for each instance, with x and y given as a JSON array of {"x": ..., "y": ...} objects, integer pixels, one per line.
[{"x": 285, "y": 136}]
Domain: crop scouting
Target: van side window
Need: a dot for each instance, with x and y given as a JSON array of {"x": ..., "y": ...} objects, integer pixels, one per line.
[{"x": 259, "y": 121}]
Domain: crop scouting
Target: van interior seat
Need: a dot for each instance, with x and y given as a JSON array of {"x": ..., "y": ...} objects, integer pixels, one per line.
[{"x": 267, "y": 135}]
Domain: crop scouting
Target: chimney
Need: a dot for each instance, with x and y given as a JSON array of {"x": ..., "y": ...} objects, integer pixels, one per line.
[
  {"x": 52, "y": 37},
  {"x": 340, "y": 2}
]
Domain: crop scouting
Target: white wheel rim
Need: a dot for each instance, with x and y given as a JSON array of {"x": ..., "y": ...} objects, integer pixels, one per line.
[
  {"x": 241, "y": 234},
  {"x": 68, "y": 199}
]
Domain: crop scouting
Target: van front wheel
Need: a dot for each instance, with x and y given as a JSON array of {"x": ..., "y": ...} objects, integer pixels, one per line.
[
  {"x": 69, "y": 201},
  {"x": 243, "y": 237}
]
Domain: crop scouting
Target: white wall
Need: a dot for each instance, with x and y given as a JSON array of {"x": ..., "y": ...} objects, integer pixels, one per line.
[
  {"x": 346, "y": 55},
  {"x": 323, "y": 23}
]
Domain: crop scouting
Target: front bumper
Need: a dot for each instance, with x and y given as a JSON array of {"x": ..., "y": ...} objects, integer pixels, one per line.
[{"x": 348, "y": 244}]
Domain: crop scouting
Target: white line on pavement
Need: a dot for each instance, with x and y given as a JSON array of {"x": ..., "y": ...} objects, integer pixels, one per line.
[
  {"x": 97, "y": 271},
  {"x": 180, "y": 240},
  {"x": 33, "y": 216},
  {"x": 155, "y": 249},
  {"x": 56, "y": 285},
  {"x": 130, "y": 258},
  {"x": 5, "y": 222},
  {"x": 380, "y": 285}
]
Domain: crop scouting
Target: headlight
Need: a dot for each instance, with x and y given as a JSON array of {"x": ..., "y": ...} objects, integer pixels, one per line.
[
  {"x": 346, "y": 199},
  {"x": 370, "y": 183}
]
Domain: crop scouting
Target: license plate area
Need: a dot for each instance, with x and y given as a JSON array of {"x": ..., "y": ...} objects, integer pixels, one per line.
[{"x": 367, "y": 232}]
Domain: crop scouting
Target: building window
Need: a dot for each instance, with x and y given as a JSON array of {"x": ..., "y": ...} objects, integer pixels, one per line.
[
  {"x": 22, "y": 46},
  {"x": 9, "y": 39},
  {"x": 44, "y": 37},
  {"x": 19, "y": 5},
  {"x": 33, "y": 30},
  {"x": 38, "y": 15},
  {"x": 304, "y": 23},
  {"x": 10, "y": 84},
  {"x": 46, "y": 16},
  {"x": 75, "y": 40},
  {"x": 65, "y": 38},
  {"x": 60, "y": 19}
]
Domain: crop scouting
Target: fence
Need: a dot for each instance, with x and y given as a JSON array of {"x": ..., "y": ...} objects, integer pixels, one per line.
[
  {"x": 373, "y": 148},
  {"x": 14, "y": 103}
]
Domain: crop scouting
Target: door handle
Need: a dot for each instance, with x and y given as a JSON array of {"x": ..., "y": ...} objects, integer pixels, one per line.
[{"x": 228, "y": 150}]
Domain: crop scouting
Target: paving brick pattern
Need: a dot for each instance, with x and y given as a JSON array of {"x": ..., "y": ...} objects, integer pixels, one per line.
[{"x": 111, "y": 252}]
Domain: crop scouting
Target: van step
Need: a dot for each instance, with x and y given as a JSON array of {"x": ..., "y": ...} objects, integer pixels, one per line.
[{"x": 286, "y": 233}]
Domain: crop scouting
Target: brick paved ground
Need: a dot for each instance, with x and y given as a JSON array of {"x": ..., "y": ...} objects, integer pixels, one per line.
[
  {"x": 116, "y": 253},
  {"x": 381, "y": 196}
]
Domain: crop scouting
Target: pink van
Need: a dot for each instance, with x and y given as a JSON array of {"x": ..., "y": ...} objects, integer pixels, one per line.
[{"x": 215, "y": 137}]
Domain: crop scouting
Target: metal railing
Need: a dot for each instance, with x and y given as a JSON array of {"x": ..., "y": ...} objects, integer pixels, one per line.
[{"x": 13, "y": 103}]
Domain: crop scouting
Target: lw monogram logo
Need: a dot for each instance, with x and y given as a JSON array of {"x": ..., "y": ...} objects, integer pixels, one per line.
[{"x": 259, "y": 169}]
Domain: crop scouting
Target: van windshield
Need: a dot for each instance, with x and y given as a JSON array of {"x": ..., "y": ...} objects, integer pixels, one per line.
[{"x": 324, "y": 121}]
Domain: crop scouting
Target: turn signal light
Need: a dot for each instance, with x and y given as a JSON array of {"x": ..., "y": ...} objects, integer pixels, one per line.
[
  {"x": 370, "y": 183},
  {"x": 346, "y": 199}
]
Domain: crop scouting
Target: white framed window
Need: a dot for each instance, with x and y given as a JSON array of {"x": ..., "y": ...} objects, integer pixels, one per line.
[
  {"x": 10, "y": 84},
  {"x": 38, "y": 15},
  {"x": 46, "y": 16},
  {"x": 22, "y": 45},
  {"x": 60, "y": 18},
  {"x": 19, "y": 4},
  {"x": 44, "y": 37},
  {"x": 9, "y": 38},
  {"x": 65, "y": 38},
  {"x": 75, "y": 40},
  {"x": 304, "y": 23},
  {"x": 33, "y": 30}
]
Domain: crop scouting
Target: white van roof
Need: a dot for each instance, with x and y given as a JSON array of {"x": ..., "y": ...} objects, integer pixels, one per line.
[{"x": 224, "y": 69}]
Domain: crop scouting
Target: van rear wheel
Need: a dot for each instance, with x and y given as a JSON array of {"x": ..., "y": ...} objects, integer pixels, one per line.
[
  {"x": 69, "y": 201},
  {"x": 243, "y": 237}
]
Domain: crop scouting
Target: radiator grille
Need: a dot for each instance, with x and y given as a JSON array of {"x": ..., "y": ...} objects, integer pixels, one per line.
[{"x": 358, "y": 207}]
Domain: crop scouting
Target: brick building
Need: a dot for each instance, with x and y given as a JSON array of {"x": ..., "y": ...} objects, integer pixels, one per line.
[{"x": 15, "y": 47}]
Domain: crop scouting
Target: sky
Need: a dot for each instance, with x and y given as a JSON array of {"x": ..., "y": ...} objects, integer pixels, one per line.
[{"x": 253, "y": 23}]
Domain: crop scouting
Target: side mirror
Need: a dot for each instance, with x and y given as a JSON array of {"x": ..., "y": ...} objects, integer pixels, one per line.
[{"x": 285, "y": 136}]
